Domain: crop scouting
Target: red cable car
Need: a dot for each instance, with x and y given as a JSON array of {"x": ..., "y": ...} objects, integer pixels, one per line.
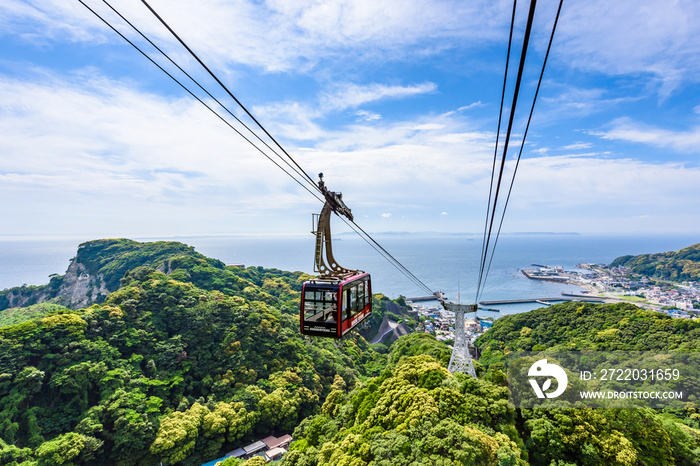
[
  {"x": 333, "y": 307},
  {"x": 339, "y": 299}
]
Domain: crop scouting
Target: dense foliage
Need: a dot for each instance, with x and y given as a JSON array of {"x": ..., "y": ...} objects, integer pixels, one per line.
[
  {"x": 599, "y": 436},
  {"x": 683, "y": 265},
  {"x": 173, "y": 367},
  {"x": 17, "y": 315},
  {"x": 586, "y": 326},
  {"x": 415, "y": 413},
  {"x": 188, "y": 358}
]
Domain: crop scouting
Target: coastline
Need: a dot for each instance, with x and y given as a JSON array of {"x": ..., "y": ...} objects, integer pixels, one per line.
[{"x": 619, "y": 285}]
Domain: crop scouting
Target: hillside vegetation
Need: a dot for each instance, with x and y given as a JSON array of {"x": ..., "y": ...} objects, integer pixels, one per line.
[
  {"x": 683, "y": 265},
  {"x": 584, "y": 326},
  {"x": 99, "y": 265},
  {"x": 588, "y": 436},
  {"x": 417, "y": 413},
  {"x": 173, "y": 367},
  {"x": 189, "y": 358}
]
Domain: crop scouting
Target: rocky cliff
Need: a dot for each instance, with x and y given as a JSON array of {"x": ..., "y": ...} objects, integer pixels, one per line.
[{"x": 95, "y": 272}]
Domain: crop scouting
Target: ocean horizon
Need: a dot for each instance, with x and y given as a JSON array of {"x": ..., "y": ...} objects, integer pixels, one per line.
[{"x": 443, "y": 261}]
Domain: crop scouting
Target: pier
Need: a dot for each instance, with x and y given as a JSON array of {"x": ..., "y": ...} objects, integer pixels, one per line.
[
  {"x": 438, "y": 295},
  {"x": 549, "y": 276},
  {"x": 547, "y": 301}
]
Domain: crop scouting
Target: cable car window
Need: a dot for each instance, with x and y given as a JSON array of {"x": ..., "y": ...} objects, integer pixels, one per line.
[
  {"x": 320, "y": 305},
  {"x": 347, "y": 309},
  {"x": 353, "y": 300}
]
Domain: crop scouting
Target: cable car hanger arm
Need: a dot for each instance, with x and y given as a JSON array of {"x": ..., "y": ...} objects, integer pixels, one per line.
[{"x": 334, "y": 200}]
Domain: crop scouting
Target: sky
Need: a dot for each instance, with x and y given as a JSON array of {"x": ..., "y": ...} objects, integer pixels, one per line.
[{"x": 395, "y": 102}]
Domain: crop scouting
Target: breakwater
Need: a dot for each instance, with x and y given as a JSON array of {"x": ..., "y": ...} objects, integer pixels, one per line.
[{"x": 562, "y": 298}]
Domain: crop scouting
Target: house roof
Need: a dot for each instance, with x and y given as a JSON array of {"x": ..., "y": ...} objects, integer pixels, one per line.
[
  {"x": 274, "y": 442},
  {"x": 237, "y": 453},
  {"x": 274, "y": 452},
  {"x": 254, "y": 447}
]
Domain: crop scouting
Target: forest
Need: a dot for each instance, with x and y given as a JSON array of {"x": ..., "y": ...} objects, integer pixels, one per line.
[
  {"x": 186, "y": 358},
  {"x": 209, "y": 352},
  {"x": 683, "y": 265}
]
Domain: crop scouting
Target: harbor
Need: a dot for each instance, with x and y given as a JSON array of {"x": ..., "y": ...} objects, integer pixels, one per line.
[{"x": 552, "y": 274}]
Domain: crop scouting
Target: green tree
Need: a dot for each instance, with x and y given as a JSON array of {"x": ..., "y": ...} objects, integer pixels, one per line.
[
  {"x": 178, "y": 433},
  {"x": 68, "y": 449}
]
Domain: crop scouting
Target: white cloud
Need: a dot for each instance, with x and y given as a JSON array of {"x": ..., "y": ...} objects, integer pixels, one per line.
[
  {"x": 626, "y": 129},
  {"x": 97, "y": 152},
  {"x": 577, "y": 146},
  {"x": 655, "y": 38},
  {"x": 96, "y": 137},
  {"x": 99, "y": 146},
  {"x": 292, "y": 120},
  {"x": 567, "y": 101},
  {"x": 428, "y": 127},
  {"x": 298, "y": 121},
  {"x": 470, "y": 106},
  {"x": 353, "y": 95},
  {"x": 279, "y": 35},
  {"x": 653, "y": 41},
  {"x": 594, "y": 183},
  {"x": 52, "y": 20},
  {"x": 368, "y": 116},
  {"x": 465, "y": 107}
]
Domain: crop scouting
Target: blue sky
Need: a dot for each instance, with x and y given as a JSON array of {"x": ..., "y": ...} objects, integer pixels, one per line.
[{"x": 396, "y": 102}]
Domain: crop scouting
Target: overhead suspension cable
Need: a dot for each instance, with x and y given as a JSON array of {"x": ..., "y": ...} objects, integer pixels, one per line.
[
  {"x": 296, "y": 168},
  {"x": 495, "y": 151},
  {"x": 199, "y": 100},
  {"x": 299, "y": 171},
  {"x": 518, "y": 80},
  {"x": 522, "y": 143},
  {"x": 223, "y": 86},
  {"x": 194, "y": 55},
  {"x": 393, "y": 259},
  {"x": 490, "y": 219},
  {"x": 395, "y": 263}
]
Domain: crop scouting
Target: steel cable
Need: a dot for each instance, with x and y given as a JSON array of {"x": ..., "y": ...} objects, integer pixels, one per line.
[
  {"x": 367, "y": 238},
  {"x": 522, "y": 143}
]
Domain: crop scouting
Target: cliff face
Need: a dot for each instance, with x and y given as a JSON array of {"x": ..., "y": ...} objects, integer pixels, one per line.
[
  {"x": 79, "y": 288},
  {"x": 95, "y": 272},
  {"x": 76, "y": 289},
  {"x": 22, "y": 296}
]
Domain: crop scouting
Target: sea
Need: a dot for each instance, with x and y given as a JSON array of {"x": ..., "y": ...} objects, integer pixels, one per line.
[{"x": 449, "y": 263}]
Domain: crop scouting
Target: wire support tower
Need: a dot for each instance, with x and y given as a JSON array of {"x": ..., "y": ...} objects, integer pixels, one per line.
[{"x": 461, "y": 359}]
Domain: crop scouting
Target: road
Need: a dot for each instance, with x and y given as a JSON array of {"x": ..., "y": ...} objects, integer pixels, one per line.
[{"x": 378, "y": 338}]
